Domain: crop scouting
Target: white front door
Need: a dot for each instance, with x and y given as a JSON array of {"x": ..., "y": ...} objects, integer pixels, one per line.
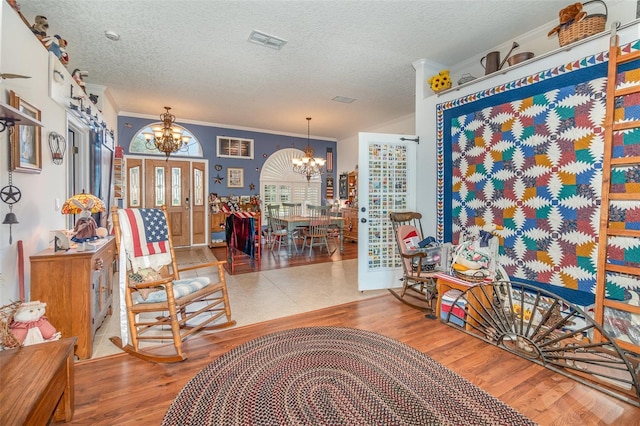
[{"x": 386, "y": 183}]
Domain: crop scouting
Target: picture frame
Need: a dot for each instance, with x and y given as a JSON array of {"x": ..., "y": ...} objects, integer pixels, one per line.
[
  {"x": 235, "y": 177},
  {"x": 26, "y": 141}
]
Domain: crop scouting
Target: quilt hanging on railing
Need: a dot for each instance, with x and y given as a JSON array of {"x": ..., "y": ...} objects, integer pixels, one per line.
[{"x": 527, "y": 155}]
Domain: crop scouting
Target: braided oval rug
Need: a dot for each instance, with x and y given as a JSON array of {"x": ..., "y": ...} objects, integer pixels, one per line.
[{"x": 333, "y": 376}]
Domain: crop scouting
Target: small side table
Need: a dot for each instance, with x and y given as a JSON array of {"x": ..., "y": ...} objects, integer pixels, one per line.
[
  {"x": 37, "y": 383},
  {"x": 478, "y": 301}
]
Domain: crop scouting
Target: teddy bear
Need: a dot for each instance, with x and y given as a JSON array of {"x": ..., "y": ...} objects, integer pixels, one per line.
[
  {"x": 30, "y": 326},
  {"x": 568, "y": 15}
]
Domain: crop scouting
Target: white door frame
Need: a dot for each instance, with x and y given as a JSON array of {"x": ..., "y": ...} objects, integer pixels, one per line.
[{"x": 386, "y": 183}]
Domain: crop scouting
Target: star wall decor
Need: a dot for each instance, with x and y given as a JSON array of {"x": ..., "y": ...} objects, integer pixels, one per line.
[
  {"x": 10, "y": 194},
  {"x": 218, "y": 178},
  {"x": 252, "y": 186}
]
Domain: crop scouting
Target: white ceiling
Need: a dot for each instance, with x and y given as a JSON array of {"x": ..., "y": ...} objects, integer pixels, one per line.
[{"x": 193, "y": 55}]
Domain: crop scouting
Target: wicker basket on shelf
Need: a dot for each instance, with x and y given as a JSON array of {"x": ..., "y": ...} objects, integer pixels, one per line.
[
  {"x": 476, "y": 277},
  {"x": 590, "y": 25},
  {"x": 7, "y": 339}
]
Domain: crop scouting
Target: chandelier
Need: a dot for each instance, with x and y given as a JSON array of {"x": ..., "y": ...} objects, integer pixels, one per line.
[
  {"x": 166, "y": 138},
  {"x": 308, "y": 165}
]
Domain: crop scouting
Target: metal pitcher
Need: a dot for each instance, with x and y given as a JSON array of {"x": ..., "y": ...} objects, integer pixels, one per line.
[{"x": 491, "y": 62}]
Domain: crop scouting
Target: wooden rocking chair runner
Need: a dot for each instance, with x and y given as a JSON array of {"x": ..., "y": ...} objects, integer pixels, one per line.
[
  {"x": 159, "y": 304},
  {"x": 419, "y": 285}
]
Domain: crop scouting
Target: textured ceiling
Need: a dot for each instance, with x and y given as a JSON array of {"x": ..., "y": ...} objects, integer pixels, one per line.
[{"x": 194, "y": 55}]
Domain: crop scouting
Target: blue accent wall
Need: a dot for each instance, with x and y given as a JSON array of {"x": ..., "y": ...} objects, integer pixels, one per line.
[{"x": 264, "y": 143}]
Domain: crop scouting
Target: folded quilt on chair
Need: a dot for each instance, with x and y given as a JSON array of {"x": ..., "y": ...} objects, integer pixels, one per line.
[
  {"x": 144, "y": 234},
  {"x": 181, "y": 288}
]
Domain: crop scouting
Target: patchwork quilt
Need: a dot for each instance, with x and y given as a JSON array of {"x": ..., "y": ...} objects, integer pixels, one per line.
[{"x": 528, "y": 156}]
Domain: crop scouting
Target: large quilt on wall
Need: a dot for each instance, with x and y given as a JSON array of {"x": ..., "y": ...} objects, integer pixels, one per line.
[{"x": 527, "y": 155}]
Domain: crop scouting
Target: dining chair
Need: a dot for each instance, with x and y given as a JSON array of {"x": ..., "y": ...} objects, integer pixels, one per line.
[
  {"x": 277, "y": 229},
  {"x": 318, "y": 230},
  {"x": 294, "y": 209}
]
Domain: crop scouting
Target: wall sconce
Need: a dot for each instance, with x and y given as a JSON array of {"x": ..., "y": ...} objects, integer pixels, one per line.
[{"x": 57, "y": 145}]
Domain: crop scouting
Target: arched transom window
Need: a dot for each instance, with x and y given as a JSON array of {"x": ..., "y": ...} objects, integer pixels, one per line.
[
  {"x": 139, "y": 144},
  {"x": 280, "y": 184}
]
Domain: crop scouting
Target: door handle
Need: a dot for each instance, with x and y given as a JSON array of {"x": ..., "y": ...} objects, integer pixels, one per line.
[{"x": 186, "y": 203}]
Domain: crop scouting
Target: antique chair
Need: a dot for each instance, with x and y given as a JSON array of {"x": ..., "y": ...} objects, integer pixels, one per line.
[
  {"x": 318, "y": 230},
  {"x": 157, "y": 302},
  {"x": 419, "y": 285}
]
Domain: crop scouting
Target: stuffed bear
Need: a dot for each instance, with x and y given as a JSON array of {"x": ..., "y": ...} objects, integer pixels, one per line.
[
  {"x": 568, "y": 15},
  {"x": 30, "y": 326}
]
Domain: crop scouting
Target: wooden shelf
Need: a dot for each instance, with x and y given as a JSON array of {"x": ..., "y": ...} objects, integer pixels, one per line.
[
  {"x": 11, "y": 116},
  {"x": 605, "y": 33}
]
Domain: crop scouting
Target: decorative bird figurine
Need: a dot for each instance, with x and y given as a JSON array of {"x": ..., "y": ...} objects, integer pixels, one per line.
[{"x": 6, "y": 75}]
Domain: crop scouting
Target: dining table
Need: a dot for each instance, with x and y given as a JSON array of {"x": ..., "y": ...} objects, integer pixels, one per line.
[{"x": 295, "y": 221}]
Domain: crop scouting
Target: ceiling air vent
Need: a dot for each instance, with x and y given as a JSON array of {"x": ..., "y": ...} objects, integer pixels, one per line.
[
  {"x": 343, "y": 99},
  {"x": 267, "y": 40}
]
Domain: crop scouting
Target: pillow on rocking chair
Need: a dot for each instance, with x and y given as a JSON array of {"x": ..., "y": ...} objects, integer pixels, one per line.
[{"x": 181, "y": 288}]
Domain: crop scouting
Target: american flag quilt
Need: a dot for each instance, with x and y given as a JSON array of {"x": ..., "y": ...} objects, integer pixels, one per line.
[
  {"x": 148, "y": 230},
  {"x": 531, "y": 161}
]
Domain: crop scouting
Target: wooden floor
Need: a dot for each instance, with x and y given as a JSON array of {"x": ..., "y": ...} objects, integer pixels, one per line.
[
  {"x": 123, "y": 390},
  {"x": 277, "y": 259}
]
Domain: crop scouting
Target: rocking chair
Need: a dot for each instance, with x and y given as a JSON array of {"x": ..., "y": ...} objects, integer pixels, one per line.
[
  {"x": 419, "y": 285},
  {"x": 160, "y": 304}
]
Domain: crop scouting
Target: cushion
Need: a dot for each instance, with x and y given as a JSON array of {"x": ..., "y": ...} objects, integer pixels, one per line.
[{"x": 181, "y": 288}]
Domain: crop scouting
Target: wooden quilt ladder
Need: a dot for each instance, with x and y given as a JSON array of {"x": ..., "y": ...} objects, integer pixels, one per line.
[{"x": 614, "y": 232}]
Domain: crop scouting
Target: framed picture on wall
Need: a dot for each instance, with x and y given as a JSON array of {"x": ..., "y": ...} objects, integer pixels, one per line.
[
  {"x": 26, "y": 141},
  {"x": 235, "y": 177}
]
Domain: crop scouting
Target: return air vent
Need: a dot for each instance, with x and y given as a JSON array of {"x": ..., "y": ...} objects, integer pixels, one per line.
[
  {"x": 343, "y": 99},
  {"x": 267, "y": 40}
]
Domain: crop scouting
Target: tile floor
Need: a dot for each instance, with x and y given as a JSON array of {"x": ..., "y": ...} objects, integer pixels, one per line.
[{"x": 261, "y": 296}]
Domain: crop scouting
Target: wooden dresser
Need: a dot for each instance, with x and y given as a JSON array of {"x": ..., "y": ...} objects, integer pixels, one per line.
[
  {"x": 77, "y": 288},
  {"x": 37, "y": 383}
]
